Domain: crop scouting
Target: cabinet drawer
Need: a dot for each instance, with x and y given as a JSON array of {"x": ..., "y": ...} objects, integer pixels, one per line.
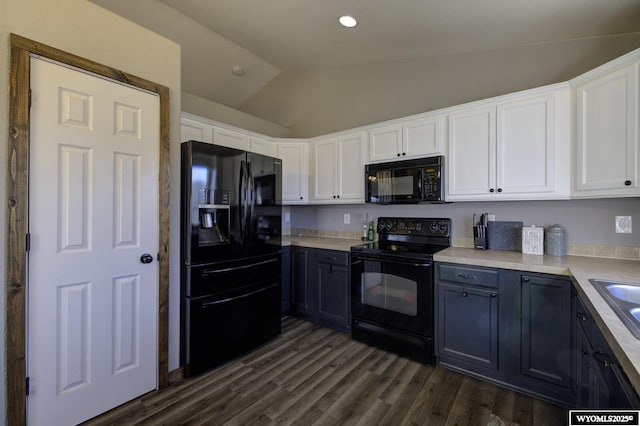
[
  {"x": 332, "y": 256},
  {"x": 470, "y": 276}
]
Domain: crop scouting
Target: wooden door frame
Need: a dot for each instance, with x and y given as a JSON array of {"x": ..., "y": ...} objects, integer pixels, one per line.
[{"x": 18, "y": 207}]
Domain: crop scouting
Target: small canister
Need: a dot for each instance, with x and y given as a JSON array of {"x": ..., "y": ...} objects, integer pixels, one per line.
[{"x": 556, "y": 240}]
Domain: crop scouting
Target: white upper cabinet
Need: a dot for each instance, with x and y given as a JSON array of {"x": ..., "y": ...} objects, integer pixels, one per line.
[
  {"x": 337, "y": 174},
  {"x": 411, "y": 139},
  {"x": 263, "y": 146},
  {"x": 194, "y": 130},
  {"x": 512, "y": 148},
  {"x": 230, "y": 138},
  {"x": 607, "y": 152},
  {"x": 295, "y": 171}
]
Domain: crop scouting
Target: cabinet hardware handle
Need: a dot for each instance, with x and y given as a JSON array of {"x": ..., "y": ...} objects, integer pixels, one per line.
[
  {"x": 301, "y": 198},
  {"x": 398, "y": 154},
  {"x": 464, "y": 293},
  {"x": 499, "y": 189},
  {"x": 494, "y": 294},
  {"x": 525, "y": 279},
  {"x": 492, "y": 190},
  {"x": 602, "y": 358},
  {"x": 627, "y": 182},
  {"x": 337, "y": 196},
  {"x": 468, "y": 277},
  {"x": 582, "y": 316},
  {"x": 404, "y": 153}
]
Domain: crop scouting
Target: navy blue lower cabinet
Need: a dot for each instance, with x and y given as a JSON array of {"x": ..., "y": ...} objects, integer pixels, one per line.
[
  {"x": 467, "y": 314},
  {"x": 320, "y": 289},
  {"x": 600, "y": 381},
  {"x": 468, "y": 327},
  {"x": 333, "y": 292},
  {"x": 303, "y": 303},
  {"x": 285, "y": 295},
  {"x": 509, "y": 327},
  {"x": 546, "y": 346}
]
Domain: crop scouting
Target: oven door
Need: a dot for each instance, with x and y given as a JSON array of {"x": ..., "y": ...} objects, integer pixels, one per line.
[{"x": 393, "y": 292}]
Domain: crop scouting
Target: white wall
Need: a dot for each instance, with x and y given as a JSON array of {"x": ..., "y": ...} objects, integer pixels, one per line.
[
  {"x": 84, "y": 29},
  {"x": 313, "y": 102}
]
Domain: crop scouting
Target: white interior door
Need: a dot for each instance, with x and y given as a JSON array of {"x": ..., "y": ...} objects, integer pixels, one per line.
[{"x": 93, "y": 211}]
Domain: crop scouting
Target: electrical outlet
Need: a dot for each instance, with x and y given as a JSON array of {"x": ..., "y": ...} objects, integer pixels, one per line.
[
  {"x": 287, "y": 217},
  {"x": 623, "y": 224},
  {"x": 347, "y": 218}
]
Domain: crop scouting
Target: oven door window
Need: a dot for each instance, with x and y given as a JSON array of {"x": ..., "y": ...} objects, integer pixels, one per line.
[
  {"x": 393, "y": 293},
  {"x": 389, "y": 292}
]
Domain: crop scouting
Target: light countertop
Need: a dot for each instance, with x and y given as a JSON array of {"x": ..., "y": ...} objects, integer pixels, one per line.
[
  {"x": 624, "y": 345},
  {"x": 341, "y": 244}
]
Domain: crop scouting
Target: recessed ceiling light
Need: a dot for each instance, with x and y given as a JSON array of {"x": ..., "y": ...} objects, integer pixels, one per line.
[{"x": 348, "y": 21}]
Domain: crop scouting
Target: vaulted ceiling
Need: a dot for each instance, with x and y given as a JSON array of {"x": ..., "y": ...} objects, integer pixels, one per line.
[{"x": 265, "y": 38}]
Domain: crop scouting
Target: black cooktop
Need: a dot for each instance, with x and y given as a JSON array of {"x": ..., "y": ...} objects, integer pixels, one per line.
[{"x": 409, "y": 237}]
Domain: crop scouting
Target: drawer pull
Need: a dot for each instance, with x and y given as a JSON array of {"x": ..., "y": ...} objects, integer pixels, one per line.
[
  {"x": 467, "y": 277},
  {"x": 494, "y": 294},
  {"x": 464, "y": 293},
  {"x": 582, "y": 316}
]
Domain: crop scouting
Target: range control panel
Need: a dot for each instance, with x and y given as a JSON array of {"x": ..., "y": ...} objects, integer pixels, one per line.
[{"x": 430, "y": 227}]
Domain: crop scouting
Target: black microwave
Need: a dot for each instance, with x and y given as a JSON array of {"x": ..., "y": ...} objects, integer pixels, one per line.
[{"x": 406, "y": 181}]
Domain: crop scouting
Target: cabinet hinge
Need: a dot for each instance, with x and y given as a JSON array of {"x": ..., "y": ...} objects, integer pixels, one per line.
[
  {"x": 27, "y": 385},
  {"x": 29, "y": 98},
  {"x": 28, "y": 242}
]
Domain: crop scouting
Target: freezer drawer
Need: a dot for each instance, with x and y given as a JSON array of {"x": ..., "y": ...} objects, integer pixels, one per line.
[
  {"x": 220, "y": 278},
  {"x": 221, "y": 328}
]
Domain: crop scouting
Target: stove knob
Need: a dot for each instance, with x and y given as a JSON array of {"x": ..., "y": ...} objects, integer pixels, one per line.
[
  {"x": 444, "y": 228},
  {"x": 433, "y": 227},
  {"x": 380, "y": 225}
]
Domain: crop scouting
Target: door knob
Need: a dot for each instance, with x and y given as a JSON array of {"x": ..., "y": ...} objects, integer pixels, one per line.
[{"x": 146, "y": 258}]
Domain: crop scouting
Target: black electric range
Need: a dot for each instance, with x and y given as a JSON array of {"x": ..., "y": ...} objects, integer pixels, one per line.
[{"x": 392, "y": 291}]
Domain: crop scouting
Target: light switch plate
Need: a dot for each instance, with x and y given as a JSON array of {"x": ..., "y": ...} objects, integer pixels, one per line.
[
  {"x": 347, "y": 218},
  {"x": 623, "y": 224}
]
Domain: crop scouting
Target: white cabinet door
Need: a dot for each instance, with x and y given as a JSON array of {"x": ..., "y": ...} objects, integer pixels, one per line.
[
  {"x": 385, "y": 143},
  {"x": 295, "y": 172},
  {"x": 350, "y": 179},
  {"x": 472, "y": 157},
  {"x": 262, "y": 146},
  {"x": 337, "y": 173},
  {"x": 192, "y": 130},
  {"x": 607, "y": 135},
  {"x": 511, "y": 150},
  {"x": 324, "y": 170},
  {"x": 525, "y": 146},
  {"x": 230, "y": 138},
  {"x": 421, "y": 138}
]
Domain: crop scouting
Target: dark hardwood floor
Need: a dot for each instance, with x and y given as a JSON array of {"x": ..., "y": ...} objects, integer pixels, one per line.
[{"x": 311, "y": 375}]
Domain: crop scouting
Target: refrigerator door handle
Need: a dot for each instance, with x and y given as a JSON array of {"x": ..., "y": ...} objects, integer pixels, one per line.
[
  {"x": 251, "y": 202},
  {"x": 242, "y": 195},
  {"x": 209, "y": 272}
]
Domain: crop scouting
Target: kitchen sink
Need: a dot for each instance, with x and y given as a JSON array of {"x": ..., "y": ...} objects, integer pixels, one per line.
[
  {"x": 624, "y": 299},
  {"x": 628, "y": 293}
]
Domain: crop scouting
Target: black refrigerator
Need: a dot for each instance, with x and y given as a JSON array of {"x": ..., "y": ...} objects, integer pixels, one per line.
[{"x": 230, "y": 253}]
